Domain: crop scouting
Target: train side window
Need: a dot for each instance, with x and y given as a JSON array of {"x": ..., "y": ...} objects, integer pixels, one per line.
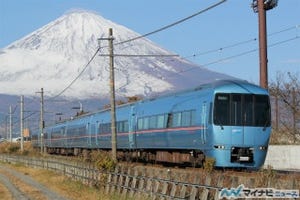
[
  {"x": 186, "y": 118},
  {"x": 193, "y": 117},
  {"x": 140, "y": 124},
  {"x": 169, "y": 120},
  {"x": 161, "y": 121},
  {"x": 105, "y": 128},
  {"x": 119, "y": 127},
  {"x": 156, "y": 121},
  {"x": 108, "y": 128},
  {"x": 82, "y": 130},
  {"x": 126, "y": 127},
  {"x": 146, "y": 123},
  {"x": 122, "y": 126},
  {"x": 176, "y": 119},
  {"x": 152, "y": 122}
]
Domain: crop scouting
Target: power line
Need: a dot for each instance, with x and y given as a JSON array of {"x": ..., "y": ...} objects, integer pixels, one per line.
[
  {"x": 175, "y": 23},
  {"x": 76, "y": 78},
  {"x": 136, "y": 38},
  {"x": 240, "y": 43},
  {"x": 142, "y": 55},
  {"x": 229, "y": 57},
  {"x": 241, "y": 54},
  {"x": 221, "y": 48}
]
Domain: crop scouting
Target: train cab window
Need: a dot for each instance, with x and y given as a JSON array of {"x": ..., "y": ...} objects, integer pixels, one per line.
[
  {"x": 222, "y": 109},
  {"x": 236, "y": 110},
  {"x": 248, "y": 115},
  {"x": 262, "y": 109},
  {"x": 241, "y": 110}
]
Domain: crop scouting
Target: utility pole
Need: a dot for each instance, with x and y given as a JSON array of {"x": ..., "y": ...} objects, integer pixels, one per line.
[
  {"x": 42, "y": 120},
  {"x": 263, "y": 57},
  {"x": 10, "y": 124},
  {"x": 6, "y": 129},
  {"x": 22, "y": 122},
  {"x": 261, "y": 6},
  {"x": 112, "y": 95}
]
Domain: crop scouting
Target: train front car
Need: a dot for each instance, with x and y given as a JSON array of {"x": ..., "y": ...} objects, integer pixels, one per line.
[{"x": 241, "y": 125}]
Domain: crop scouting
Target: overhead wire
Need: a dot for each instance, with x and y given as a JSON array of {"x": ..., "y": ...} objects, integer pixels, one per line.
[
  {"x": 166, "y": 27},
  {"x": 76, "y": 78},
  {"x": 229, "y": 57},
  {"x": 239, "y": 43},
  {"x": 136, "y": 38},
  {"x": 175, "y": 23},
  {"x": 241, "y": 54}
]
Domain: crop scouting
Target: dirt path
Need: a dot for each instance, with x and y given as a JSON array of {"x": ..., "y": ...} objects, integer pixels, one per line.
[{"x": 23, "y": 187}]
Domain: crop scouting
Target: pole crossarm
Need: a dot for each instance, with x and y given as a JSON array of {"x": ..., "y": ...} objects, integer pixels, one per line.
[{"x": 141, "y": 55}]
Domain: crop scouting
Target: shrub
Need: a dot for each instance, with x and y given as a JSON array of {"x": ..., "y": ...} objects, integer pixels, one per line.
[
  {"x": 209, "y": 164},
  {"x": 103, "y": 160},
  {"x": 13, "y": 148}
]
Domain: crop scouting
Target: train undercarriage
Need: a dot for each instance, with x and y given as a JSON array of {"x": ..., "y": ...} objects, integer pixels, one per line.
[{"x": 179, "y": 157}]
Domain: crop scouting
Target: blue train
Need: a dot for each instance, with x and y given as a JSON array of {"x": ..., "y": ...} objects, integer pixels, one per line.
[{"x": 227, "y": 120}]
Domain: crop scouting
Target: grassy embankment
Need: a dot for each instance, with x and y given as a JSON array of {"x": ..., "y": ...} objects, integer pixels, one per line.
[{"x": 63, "y": 185}]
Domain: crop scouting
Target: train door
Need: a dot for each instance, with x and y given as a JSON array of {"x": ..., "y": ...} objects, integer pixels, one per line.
[
  {"x": 97, "y": 134},
  {"x": 132, "y": 128},
  {"x": 204, "y": 123},
  {"x": 89, "y": 134},
  {"x": 63, "y": 132}
]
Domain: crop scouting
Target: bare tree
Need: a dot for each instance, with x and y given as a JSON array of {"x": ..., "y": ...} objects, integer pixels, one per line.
[{"x": 286, "y": 91}]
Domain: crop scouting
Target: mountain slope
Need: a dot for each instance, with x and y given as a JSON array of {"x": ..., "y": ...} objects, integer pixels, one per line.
[{"x": 54, "y": 55}]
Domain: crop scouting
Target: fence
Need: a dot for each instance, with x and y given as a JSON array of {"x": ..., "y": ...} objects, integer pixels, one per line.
[
  {"x": 155, "y": 183},
  {"x": 124, "y": 180}
]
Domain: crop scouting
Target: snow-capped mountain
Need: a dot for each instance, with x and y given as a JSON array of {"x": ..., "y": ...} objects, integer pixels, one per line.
[{"x": 55, "y": 55}]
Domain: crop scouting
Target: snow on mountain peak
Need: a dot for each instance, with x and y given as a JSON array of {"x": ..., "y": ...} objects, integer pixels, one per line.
[{"x": 54, "y": 55}]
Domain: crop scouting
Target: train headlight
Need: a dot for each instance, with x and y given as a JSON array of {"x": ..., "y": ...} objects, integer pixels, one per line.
[
  {"x": 219, "y": 146},
  {"x": 263, "y": 148}
]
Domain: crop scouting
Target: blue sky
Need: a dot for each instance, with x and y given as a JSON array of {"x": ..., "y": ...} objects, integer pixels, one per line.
[{"x": 233, "y": 24}]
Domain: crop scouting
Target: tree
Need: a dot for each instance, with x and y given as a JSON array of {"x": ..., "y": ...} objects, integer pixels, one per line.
[{"x": 285, "y": 91}]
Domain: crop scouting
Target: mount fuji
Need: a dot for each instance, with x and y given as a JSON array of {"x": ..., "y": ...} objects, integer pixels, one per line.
[{"x": 56, "y": 55}]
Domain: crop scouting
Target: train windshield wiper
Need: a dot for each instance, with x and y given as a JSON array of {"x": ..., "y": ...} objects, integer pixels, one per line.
[
  {"x": 220, "y": 124},
  {"x": 265, "y": 125}
]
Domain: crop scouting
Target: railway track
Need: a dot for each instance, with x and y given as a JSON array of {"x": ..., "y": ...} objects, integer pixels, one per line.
[{"x": 17, "y": 186}]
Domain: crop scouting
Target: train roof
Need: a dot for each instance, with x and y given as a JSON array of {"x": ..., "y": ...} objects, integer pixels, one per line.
[
  {"x": 224, "y": 83},
  {"x": 214, "y": 85}
]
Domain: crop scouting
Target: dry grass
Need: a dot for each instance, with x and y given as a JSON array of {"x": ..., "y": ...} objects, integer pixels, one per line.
[
  {"x": 65, "y": 186},
  {"x": 15, "y": 148},
  {"x": 4, "y": 193},
  {"x": 32, "y": 192}
]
